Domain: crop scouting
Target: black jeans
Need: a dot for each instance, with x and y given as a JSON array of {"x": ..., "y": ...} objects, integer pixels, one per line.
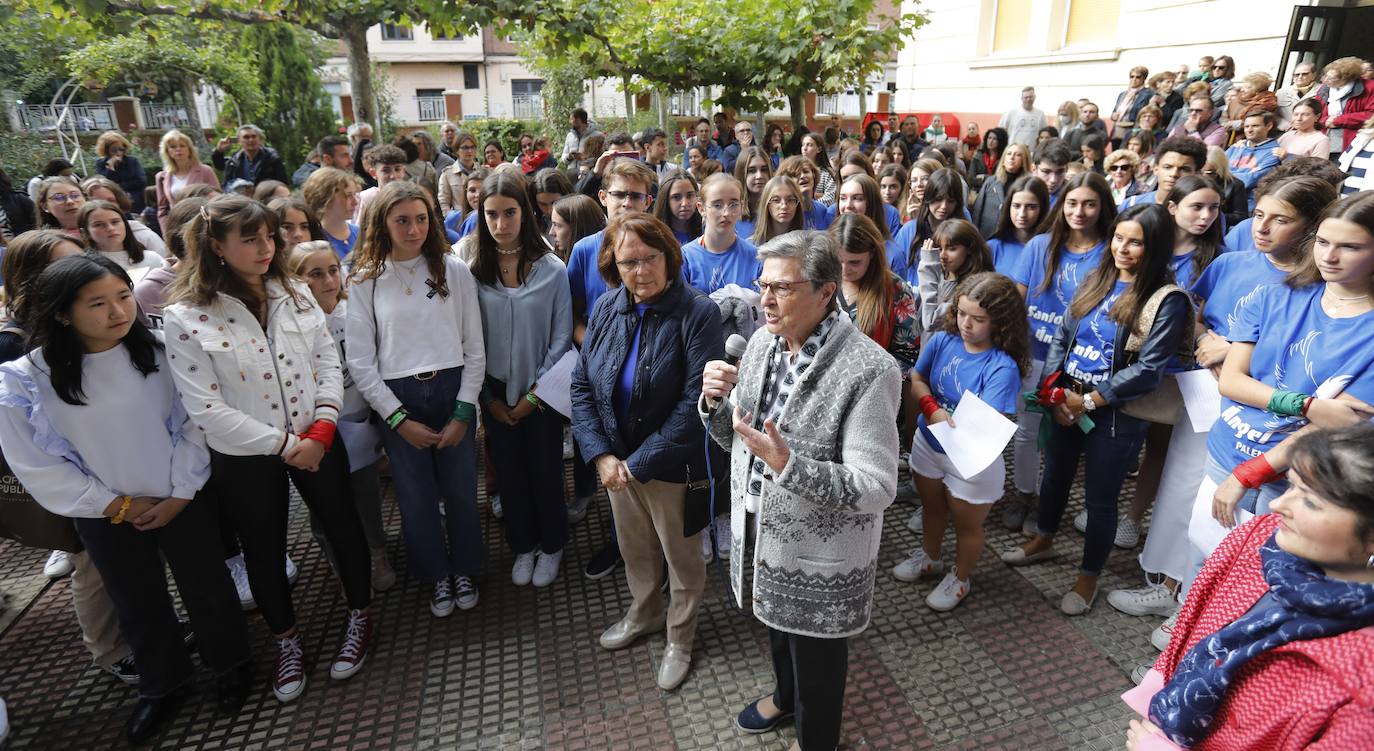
[
  {"x": 529, "y": 460},
  {"x": 255, "y": 495},
  {"x": 131, "y": 564},
  {"x": 811, "y": 674}
]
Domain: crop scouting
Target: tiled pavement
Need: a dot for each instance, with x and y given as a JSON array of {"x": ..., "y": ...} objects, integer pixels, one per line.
[{"x": 523, "y": 671}]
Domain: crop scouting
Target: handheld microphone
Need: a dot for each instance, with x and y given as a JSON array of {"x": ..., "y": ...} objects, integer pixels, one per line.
[{"x": 734, "y": 350}]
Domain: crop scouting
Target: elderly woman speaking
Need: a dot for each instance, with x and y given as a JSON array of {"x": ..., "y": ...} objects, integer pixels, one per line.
[{"x": 810, "y": 422}]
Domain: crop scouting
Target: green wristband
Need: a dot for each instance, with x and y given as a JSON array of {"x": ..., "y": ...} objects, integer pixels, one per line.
[
  {"x": 395, "y": 419},
  {"x": 1288, "y": 403},
  {"x": 533, "y": 400},
  {"x": 464, "y": 412}
]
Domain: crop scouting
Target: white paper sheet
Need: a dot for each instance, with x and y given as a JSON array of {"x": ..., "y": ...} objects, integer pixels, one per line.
[
  {"x": 1205, "y": 532},
  {"x": 555, "y": 386},
  {"x": 1201, "y": 398},
  {"x": 979, "y": 438}
]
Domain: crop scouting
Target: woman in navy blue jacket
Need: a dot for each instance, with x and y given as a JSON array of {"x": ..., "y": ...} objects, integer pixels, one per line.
[
  {"x": 634, "y": 395},
  {"x": 114, "y": 163}
]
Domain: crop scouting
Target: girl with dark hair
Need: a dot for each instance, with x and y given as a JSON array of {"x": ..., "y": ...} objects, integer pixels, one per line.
[
  {"x": 16, "y": 210},
  {"x": 297, "y": 221},
  {"x": 1123, "y": 328},
  {"x": 813, "y": 150},
  {"x": 783, "y": 204},
  {"x": 59, "y": 202},
  {"x": 526, "y": 308},
  {"x": 892, "y": 188},
  {"x": 772, "y": 143},
  {"x": 258, "y": 372},
  {"x": 493, "y": 154},
  {"x": 546, "y": 187},
  {"x": 577, "y": 216},
  {"x": 1286, "y": 211},
  {"x": 105, "y": 229},
  {"x": 753, "y": 170},
  {"x": 1028, "y": 201},
  {"x": 873, "y": 137},
  {"x": 899, "y": 153},
  {"x": 859, "y": 194},
  {"x": 987, "y": 158},
  {"x": 416, "y": 352},
  {"x": 151, "y": 290},
  {"x": 943, "y": 198},
  {"x": 955, "y": 253},
  {"x": 676, "y": 207},
  {"x": 463, "y": 217},
  {"x": 25, "y": 258},
  {"x": 981, "y": 348},
  {"x": 91, "y": 424},
  {"x": 1195, "y": 205},
  {"x": 103, "y": 189},
  {"x": 806, "y": 175},
  {"x": 315, "y": 263},
  {"x": 879, "y": 302},
  {"x": 1278, "y": 620}
]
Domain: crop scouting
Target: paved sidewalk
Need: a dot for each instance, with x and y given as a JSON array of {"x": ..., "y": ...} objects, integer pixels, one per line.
[{"x": 523, "y": 671}]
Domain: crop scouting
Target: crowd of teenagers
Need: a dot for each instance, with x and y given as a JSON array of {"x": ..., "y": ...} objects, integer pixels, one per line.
[{"x": 175, "y": 372}]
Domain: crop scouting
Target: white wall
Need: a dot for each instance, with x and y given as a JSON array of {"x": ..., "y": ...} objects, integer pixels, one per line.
[{"x": 942, "y": 70}]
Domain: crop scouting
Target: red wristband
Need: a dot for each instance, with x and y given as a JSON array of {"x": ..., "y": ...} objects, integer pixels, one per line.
[
  {"x": 1255, "y": 473},
  {"x": 1307, "y": 404},
  {"x": 929, "y": 406},
  {"x": 322, "y": 431}
]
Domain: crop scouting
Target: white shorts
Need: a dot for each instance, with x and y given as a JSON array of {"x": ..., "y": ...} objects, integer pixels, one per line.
[{"x": 985, "y": 487}]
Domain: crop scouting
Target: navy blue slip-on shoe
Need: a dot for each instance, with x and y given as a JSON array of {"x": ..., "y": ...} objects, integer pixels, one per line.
[{"x": 750, "y": 721}]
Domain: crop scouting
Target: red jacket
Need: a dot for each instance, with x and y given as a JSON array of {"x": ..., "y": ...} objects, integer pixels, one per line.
[
  {"x": 1316, "y": 694},
  {"x": 1358, "y": 108}
]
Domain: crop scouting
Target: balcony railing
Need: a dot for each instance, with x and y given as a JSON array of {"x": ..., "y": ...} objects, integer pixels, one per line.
[
  {"x": 84, "y": 117},
  {"x": 528, "y": 107},
  {"x": 164, "y": 116},
  {"x": 431, "y": 108},
  {"x": 685, "y": 103},
  {"x": 829, "y": 105}
]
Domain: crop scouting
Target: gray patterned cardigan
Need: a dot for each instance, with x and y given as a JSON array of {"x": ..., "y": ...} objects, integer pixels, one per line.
[{"x": 821, "y": 519}]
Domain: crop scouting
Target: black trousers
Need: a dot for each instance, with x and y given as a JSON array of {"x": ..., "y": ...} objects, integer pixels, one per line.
[
  {"x": 255, "y": 495},
  {"x": 131, "y": 564},
  {"x": 811, "y": 674},
  {"x": 529, "y": 462}
]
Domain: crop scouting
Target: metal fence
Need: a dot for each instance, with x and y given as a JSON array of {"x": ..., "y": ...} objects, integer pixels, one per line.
[
  {"x": 85, "y": 117},
  {"x": 164, "y": 116},
  {"x": 431, "y": 108},
  {"x": 685, "y": 103}
]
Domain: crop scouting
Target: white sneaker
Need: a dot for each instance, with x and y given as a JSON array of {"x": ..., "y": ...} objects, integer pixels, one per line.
[
  {"x": 723, "y": 537},
  {"x": 496, "y": 509},
  {"x": 523, "y": 569},
  {"x": 948, "y": 594},
  {"x": 59, "y": 565},
  {"x": 292, "y": 572},
  {"x": 1139, "y": 673},
  {"x": 1080, "y": 522},
  {"x": 442, "y": 604},
  {"x": 1152, "y": 599},
  {"x": 239, "y": 573},
  {"x": 467, "y": 592},
  {"x": 707, "y": 552},
  {"x": 918, "y": 566},
  {"x": 1160, "y": 636},
  {"x": 546, "y": 568},
  {"x": 1127, "y": 533},
  {"x": 577, "y": 510},
  {"x": 916, "y": 523}
]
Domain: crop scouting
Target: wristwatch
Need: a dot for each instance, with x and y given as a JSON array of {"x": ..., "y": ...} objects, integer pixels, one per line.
[{"x": 1089, "y": 404}]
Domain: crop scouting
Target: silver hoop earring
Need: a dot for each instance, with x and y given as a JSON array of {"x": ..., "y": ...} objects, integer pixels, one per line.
[
  {"x": 1370, "y": 562},
  {"x": 221, "y": 260}
]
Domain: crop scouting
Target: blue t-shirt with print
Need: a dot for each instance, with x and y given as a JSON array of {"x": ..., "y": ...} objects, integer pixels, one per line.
[
  {"x": 1045, "y": 308},
  {"x": 1090, "y": 360},
  {"x": 708, "y": 271},
  {"x": 584, "y": 278},
  {"x": 1230, "y": 282},
  {"x": 1006, "y": 254},
  {"x": 1298, "y": 347},
  {"x": 341, "y": 247},
  {"x": 950, "y": 369}
]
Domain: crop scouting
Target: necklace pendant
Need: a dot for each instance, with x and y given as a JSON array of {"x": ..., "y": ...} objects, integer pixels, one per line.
[{"x": 409, "y": 291}]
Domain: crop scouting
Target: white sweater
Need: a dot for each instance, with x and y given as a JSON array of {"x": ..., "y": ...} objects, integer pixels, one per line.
[
  {"x": 131, "y": 437},
  {"x": 395, "y": 335},
  {"x": 251, "y": 391},
  {"x": 354, "y": 405}
]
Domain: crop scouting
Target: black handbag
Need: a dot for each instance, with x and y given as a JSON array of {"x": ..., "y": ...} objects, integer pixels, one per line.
[
  {"x": 696, "y": 510},
  {"x": 23, "y": 520}
]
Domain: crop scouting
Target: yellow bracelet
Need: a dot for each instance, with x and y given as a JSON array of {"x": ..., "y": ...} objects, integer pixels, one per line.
[{"x": 123, "y": 509}]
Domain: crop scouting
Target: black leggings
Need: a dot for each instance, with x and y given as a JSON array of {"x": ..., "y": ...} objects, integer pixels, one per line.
[{"x": 255, "y": 495}]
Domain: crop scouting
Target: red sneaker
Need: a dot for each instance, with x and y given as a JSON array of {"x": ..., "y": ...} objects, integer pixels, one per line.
[
  {"x": 289, "y": 682},
  {"x": 356, "y": 645}
]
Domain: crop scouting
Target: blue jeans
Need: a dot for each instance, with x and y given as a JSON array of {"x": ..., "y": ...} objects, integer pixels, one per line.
[
  {"x": 1109, "y": 454},
  {"x": 438, "y": 546}
]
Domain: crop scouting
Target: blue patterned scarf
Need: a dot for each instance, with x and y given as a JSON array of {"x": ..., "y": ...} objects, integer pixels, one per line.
[{"x": 1306, "y": 605}]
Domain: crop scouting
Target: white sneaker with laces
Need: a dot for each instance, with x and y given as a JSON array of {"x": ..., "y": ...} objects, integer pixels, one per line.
[
  {"x": 918, "y": 566},
  {"x": 916, "y": 523},
  {"x": 723, "y": 537},
  {"x": 442, "y": 603},
  {"x": 523, "y": 569},
  {"x": 707, "y": 553},
  {"x": 239, "y": 573},
  {"x": 59, "y": 565},
  {"x": 467, "y": 592},
  {"x": 289, "y": 681},
  {"x": 1152, "y": 599},
  {"x": 546, "y": 568},
  {"x": 1080, "y": 522},
  {"x": 1127, "y": 533},
  {"x": 948, "y": 594},
  {"x": 1160, "y": 636}
]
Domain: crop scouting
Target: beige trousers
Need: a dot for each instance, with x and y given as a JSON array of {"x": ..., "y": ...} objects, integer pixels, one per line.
[
  {"x": 96, "y": 613},
  {"x": 648, "y": 523}
]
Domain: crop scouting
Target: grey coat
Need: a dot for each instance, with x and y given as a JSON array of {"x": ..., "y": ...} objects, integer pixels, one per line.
[{"x": 821, "y": 519}]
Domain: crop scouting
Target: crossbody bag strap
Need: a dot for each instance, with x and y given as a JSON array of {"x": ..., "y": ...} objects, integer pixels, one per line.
[{"x": 1146, "y": 322}]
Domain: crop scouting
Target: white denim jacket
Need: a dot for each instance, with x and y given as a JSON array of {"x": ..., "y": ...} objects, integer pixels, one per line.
[{"x": 252, "y": 392}]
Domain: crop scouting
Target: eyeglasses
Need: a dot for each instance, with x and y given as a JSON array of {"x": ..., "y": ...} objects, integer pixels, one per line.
[
  {"x": 1120, "y": 168},
  {"x": 65, "y": 197},
  {"x": 633, "y": 196},
  {"x": 783, "y": 201},
  {"x": 1218, "y": 66},
  {"x": 630, "y": 265},
  {"x": 782, "y": 290},
  {"x": 728, "y": 208}
]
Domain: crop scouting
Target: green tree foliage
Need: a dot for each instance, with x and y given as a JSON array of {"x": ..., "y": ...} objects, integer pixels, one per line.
[
  {"x": 295, "y": 111},
  {"x": 129, "y": 56}
]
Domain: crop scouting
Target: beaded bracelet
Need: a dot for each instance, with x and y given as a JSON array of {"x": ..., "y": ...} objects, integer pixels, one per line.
[{"x": 395, "y": 419}]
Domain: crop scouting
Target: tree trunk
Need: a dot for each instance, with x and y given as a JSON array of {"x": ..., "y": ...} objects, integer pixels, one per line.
[
  {"x": 796, "y": 104},
  {"x": 629, "y": 101},
  {"x": 354, "y": 35},
  {"x": 197, "y": 129}
]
